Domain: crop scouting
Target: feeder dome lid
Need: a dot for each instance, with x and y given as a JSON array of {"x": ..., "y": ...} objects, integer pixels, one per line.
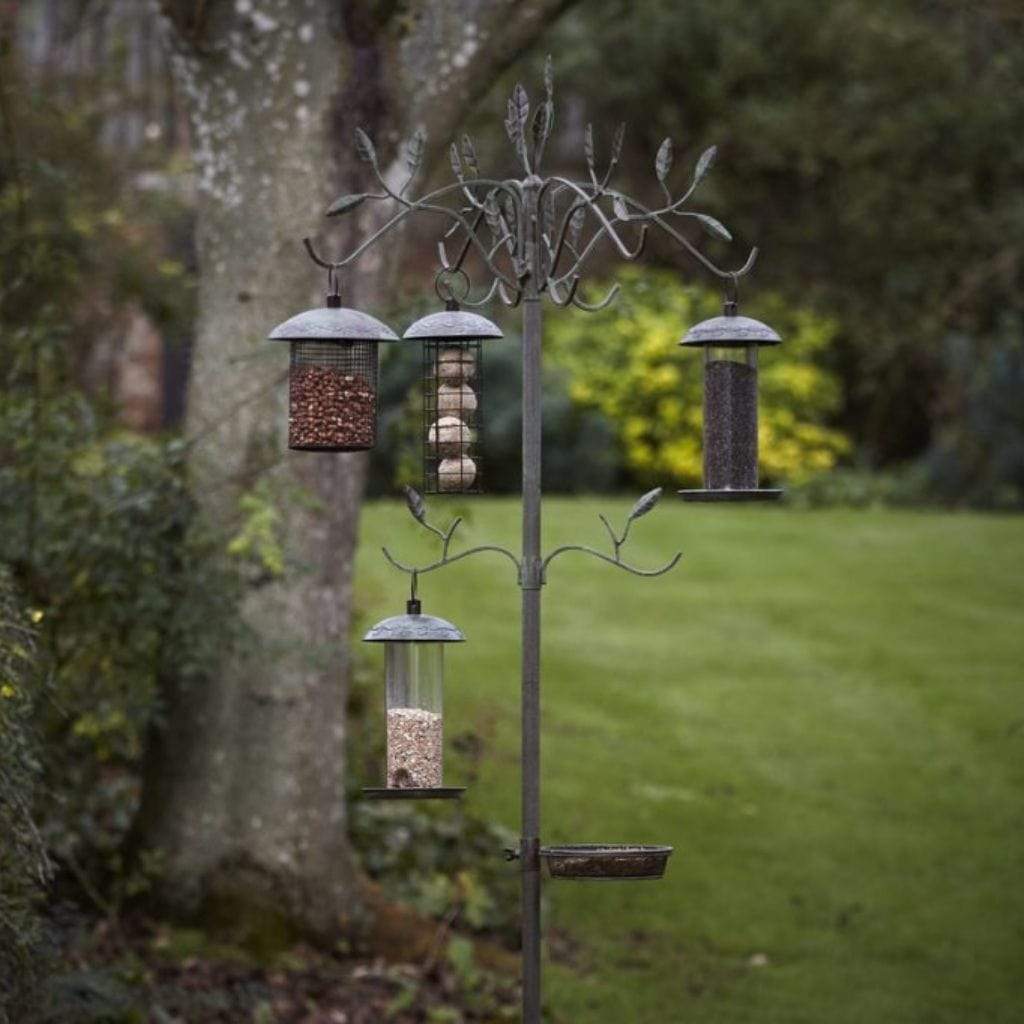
[
  {"x": 457, "y": 324},
  {"x": 422, "y": 628},
  {"x": 731, "y": 331},
  {"x": 332, "y": 323}
]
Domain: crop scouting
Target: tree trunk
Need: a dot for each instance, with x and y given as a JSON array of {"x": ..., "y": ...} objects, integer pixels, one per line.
[{"x": 244, "y": 792}]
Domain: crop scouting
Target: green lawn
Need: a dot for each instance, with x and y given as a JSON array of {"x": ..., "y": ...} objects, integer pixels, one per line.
[{"x": 822, "y": 711}]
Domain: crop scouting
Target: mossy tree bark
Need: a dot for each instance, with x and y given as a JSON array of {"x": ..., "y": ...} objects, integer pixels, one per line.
[{"x": 244, "y": 793}]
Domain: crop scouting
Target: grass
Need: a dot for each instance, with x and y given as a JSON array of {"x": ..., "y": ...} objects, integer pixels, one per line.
[{"x": 822, "y": 711}]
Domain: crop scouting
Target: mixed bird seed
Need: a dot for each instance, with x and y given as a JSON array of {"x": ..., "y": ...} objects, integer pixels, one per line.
[{"x": 414, "y": 748}]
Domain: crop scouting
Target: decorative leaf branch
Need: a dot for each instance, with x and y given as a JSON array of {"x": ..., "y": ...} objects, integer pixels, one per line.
[
  {"x": 641, "y": 508},
  {"x": 491, "y": 218},
  {"x": 418, "y": 510}
]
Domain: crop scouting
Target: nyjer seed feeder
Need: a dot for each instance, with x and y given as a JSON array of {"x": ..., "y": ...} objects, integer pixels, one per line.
[
  {"x": 730, "y": 344},
  {"x": 332, "y": 377},
  {"x": 414, "y": 685}
]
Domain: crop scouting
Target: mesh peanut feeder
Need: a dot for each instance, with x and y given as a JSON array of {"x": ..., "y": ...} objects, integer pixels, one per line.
[{"x": 332, "y": 377}]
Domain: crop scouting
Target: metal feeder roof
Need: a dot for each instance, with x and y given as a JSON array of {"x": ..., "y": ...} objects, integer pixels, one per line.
[
  {"x": 332, "y": 323},
  {"x": 457, "y": 324},
  {"x": 731, "y": 331},
  {"x": 422, "y": 628}
]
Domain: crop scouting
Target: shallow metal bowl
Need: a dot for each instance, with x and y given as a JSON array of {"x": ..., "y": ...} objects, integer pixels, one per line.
[{"x": 606, "y": 861}]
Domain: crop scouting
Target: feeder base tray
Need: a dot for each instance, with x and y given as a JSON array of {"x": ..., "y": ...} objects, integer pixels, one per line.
[
  {"x": 443, "y": 793},
  {"x": 733, "y": 494},
  {"x": 602, "y": 862}
]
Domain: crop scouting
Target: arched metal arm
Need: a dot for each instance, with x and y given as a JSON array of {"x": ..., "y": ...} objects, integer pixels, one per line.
[
  {"x": 668, "y": 567},
  {"x": 419, "y": 570},
  {"x": 641, "y": 508}
]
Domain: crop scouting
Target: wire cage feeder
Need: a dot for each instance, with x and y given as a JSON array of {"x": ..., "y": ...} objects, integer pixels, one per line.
[{"x": 453, "y": 393}]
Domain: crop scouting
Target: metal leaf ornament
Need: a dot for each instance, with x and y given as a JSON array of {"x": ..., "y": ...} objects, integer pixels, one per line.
[
  {"x": 663, "y": 163},
  {"x": 344, "y": 203},
  {"x": 645, "y": 504},
  {"x": 417, "y": 506},
  {"x": 414, "y": 150},
  {"x": 588, "y": 146},
  {"x": 364, "y": 147},
  {"x": 515, "y": 123},
  {"x": 576, "y": 226},
  {"x": 620, "y": 138},
  {"x": 714, "y": 227},
  {"x": 469, "y": 156},
  {"x": 707, "y": 158}
]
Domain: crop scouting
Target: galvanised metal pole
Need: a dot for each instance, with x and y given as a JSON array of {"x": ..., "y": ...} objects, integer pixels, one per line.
[{"x": 531, "y": 584}]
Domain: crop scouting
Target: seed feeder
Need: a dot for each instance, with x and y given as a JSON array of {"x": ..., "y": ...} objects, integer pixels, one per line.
[
  {"x": 332, "y": 376},
  {"x": 730, "y": 343},
  {"x": 414, "y": 681},
  {"x": 452, "y": 394}
]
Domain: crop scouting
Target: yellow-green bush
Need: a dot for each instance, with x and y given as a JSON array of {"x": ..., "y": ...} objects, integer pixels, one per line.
[{"x": 625, "y": 362}]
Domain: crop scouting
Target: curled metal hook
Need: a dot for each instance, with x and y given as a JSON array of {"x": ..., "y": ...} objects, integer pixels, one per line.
[
  {"x": 318, "y": 260},
  {"x": 597, "y": 306},
  {"x": 552, "y": 286},
  {"x": 444, "y": 284}
]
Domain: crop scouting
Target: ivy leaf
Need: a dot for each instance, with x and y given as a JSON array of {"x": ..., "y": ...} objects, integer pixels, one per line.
[
  {"x": 469, "y": 156},
  {"x": 645, "y": 504},
  {"x": 620, "y": 208},
  {"x": 714, "y": 227},
  {"x": 663, "y": 163},
  {"x": 364, "y": 147},
  {"x": 343, "y": 204},
  {"x": 417, "y": 506},
  {"x": 414, "y": 150},
  {"x": 588, "y": 146},
  {"x": 707, "y": 158}
]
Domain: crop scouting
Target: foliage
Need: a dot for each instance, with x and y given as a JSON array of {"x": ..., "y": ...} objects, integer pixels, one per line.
[
  {"x": 24, "y": 866},
  {"x": 625, "y": 363},
  {"x": 446, "y": 864},
  {"x": 977, "y": 455},
  {"x": 100, "y": 528}
]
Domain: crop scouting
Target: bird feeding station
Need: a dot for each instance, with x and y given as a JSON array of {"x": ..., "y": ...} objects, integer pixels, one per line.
[
  {"x": 730, "y": 344},
  {"x": 531, "y": 238},
  {"x": 332, "y": 376},
  {"x": 414, "y": 686}
]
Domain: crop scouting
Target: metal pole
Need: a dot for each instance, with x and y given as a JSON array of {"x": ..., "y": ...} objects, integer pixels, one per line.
[{"x": 531, "y": 583}]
